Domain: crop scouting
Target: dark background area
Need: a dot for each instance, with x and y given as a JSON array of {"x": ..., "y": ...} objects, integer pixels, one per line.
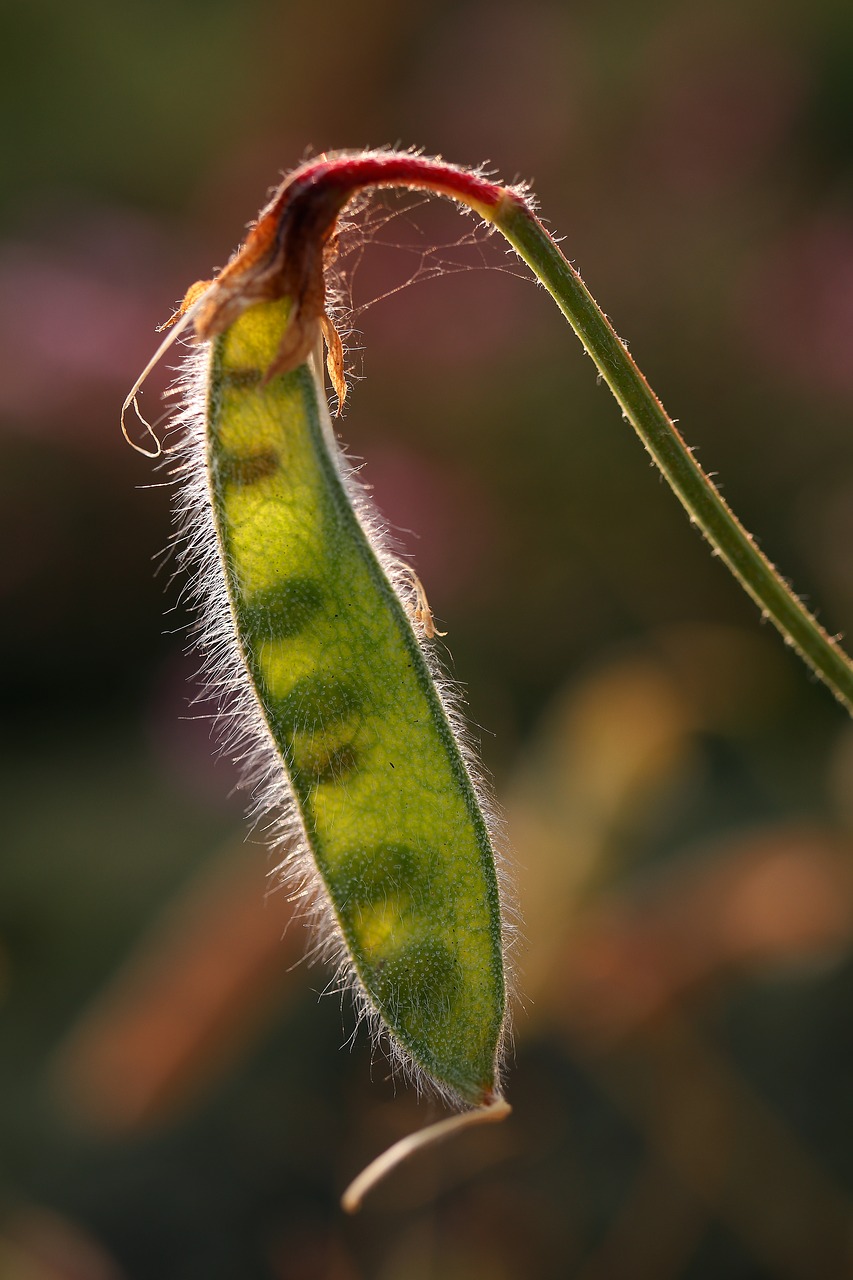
[{"x": 176, "y": 1101}]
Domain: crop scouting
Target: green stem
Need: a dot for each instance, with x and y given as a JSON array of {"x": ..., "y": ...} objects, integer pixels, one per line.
[{"x": 693, "y": 488}]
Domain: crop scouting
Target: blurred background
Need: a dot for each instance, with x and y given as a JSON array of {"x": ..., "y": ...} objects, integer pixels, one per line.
[{"x": 176, "y": 1100}]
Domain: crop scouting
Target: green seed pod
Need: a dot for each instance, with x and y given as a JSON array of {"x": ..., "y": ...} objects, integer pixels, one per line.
[
  {"x": 352, "y": 745},
  {"x": 316, "y": 645}
]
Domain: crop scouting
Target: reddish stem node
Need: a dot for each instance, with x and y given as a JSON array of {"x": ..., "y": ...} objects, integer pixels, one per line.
[{"x": 286, "y": 252}]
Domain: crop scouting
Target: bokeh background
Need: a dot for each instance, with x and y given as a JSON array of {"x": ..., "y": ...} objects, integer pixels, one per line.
[{"x": 176, "y": 1100}]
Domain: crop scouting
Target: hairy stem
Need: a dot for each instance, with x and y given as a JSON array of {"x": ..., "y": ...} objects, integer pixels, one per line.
[{"x": 694, "y": 489}]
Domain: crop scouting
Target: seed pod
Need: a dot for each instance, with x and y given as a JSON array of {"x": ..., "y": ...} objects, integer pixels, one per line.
[
  {"x": 351, "y": 710},
  {"x": 316, "y": 643}
]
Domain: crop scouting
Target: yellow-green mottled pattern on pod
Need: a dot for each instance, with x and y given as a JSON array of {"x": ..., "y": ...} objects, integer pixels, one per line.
[{"x": 386, "y": 801}]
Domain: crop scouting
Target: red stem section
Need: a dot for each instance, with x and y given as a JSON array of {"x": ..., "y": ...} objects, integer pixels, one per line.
[{"x": 350, "y": 173}]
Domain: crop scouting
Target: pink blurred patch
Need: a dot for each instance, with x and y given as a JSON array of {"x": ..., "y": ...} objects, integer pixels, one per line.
[
  {"x": 441, "y": 517},
  {"x": 795, "y": 305},
  {"x": 429, "y": 282},
  {"x": 61, "y": 327},
  {"x": 77, "y": 316},
  {"x": 185, "y": 734},
  {"x": 472, "y": 318}
]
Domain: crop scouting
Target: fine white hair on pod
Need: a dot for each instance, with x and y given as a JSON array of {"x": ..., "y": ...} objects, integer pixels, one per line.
[{"x": 243, "y": 732}]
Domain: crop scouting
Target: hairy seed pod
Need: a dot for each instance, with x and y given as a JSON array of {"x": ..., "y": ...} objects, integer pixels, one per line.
[
  {"x": 386, "y": 803},
  {"x": 317, "y": 644}
]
